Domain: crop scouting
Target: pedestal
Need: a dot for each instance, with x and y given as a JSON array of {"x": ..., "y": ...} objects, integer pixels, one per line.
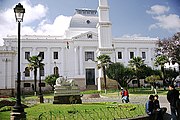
[
  {"x": 69, "y": 99},
  {"x": 67, "y": 95},
  {"x": 18, "y": 115}
]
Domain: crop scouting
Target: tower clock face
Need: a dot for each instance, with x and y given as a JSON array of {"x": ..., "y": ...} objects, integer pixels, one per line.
[
  {"x": 89, "y": 35},
  {"x": 88, "y": 21}
]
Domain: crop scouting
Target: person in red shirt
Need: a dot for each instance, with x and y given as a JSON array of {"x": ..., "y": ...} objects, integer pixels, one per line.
[{"x": 125, "y": 97}]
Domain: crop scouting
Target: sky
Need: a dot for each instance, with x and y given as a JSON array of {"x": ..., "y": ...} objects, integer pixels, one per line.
[{"x": 130, "y": 18}]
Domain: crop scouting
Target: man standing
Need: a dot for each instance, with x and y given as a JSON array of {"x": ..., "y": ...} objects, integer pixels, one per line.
[{"x": 172, "y": 97}]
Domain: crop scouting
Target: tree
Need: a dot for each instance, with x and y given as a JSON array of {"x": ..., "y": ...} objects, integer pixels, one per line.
[
  {"x": 171, "y": 75},
  {"x": 51, "y": 80},
  {"x": 34, "y": 65},
  {"x": 152, "y": 80},
  {"x": 103, "y": 61},
  {"x": 145, "y": 71},
  {"x": 160, "y": 60},
  {"x": 137, "y": 63},
  {"x": 123, "y": 75},
  {"x": 170, "y": 47}
]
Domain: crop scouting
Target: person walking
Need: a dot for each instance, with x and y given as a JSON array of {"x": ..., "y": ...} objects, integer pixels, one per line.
[
  {"x": 122, "y": 94},
  {"x": 125, "y": 96},
  {"x": 173, "y": 97}
]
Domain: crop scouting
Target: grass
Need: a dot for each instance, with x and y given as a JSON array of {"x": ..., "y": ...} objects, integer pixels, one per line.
[
  {"x": 47, "y": 110},
  {"x": 80, "y": 111}
]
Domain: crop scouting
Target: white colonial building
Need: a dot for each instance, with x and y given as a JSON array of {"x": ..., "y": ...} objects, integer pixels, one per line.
[{"x": 74, "y": 54}]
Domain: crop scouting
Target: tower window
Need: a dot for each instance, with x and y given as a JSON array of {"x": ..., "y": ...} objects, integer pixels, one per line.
[
  {"x": 41, "y": 54},
  {"x": 143, "y": 55},
  {"x": 89, "y": 56},
  {"x": 55, "y": 55},
  {"x": 27, "y": 55},
  {"x": 56, "y": 71},
  {"x": 131, "y": 55},
  {"x": 119, "y": 55}
]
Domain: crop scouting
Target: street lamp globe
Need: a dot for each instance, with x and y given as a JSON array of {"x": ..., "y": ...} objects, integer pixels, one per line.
[{"x": 19, "y": 12}]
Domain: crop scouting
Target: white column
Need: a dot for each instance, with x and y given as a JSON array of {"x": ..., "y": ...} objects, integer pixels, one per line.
[
  {"x": 12, "y": 72},
  {"x": 149, "y": 56},
  {"x": 76, "y": 60},
  {"x": 81, "y": 60},
  {"x": 62, "y": 61},
  {"x": 13, "y": 69},
  {"x": 126, "y": 56},
  {"x": 137, "y": 53},
  {"x": 33, "y": 52},
  {"x": 99, "y": 79},
  {"x": 48, "y": 67}
]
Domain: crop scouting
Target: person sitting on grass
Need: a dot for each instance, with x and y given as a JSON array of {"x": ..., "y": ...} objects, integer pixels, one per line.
[
  {"x": 158, "y": 111},
  {"x": 150, "y": 107}
]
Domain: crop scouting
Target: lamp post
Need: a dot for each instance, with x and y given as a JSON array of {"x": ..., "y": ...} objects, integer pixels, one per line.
[
  {"x": 40, "y": 92},
  {"x": 18, "y": 111}
]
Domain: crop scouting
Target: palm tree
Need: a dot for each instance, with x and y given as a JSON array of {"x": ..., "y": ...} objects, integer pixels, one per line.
[
  {"x": 160, "y": 61},
  {"x": 137, "y": 63},
  {"x": 104, "y": 60},
  {"x": 34, "y": 64}
]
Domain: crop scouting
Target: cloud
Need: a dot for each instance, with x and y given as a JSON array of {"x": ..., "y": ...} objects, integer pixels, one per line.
[
  {"x": 158, "y": 9},
  {"x": 60, "y": 24},
  {"x": 170, "y": 22},
  {"x": 33, "y": 14},
  {"x": 133, "y": 35}
]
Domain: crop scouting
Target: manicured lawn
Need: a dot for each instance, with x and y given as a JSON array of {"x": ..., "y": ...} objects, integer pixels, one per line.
[
  {"x": 95, "y": 111},
  {"x": 89, "y": 110}
]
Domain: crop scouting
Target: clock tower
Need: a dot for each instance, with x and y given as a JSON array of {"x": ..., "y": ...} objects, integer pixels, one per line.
[{"x": 104, "y": 34}]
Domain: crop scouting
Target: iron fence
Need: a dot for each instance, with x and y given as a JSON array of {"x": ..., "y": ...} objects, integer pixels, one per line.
[{"x": 108, "y": 113}]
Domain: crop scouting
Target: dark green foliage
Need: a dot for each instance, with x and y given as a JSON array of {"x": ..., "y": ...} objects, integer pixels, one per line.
[
  {"x": 170, "y": 75},
  {"x": 5, "y": 108},
  {"x": 145, "y": 71},
  {"x": 137, "y": 64},
  {"x": 120, "y": 73},
  {"x": 51, "y": 80},
  {"x": 34, "y": 64},
  {"x": 104, "y": 61}
]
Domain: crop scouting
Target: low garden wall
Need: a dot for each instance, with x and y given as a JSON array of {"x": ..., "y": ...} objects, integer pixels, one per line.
[{"x": 7, "y": 92}]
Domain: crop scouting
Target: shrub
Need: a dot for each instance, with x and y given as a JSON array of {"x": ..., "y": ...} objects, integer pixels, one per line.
[{"x": 5, "y": 108}]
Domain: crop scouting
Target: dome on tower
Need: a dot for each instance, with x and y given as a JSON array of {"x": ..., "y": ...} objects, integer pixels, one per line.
[{"x": 84, "y": 18}]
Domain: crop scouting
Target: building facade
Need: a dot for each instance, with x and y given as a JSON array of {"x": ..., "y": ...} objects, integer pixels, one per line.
[{"x": 73, "y": 55}]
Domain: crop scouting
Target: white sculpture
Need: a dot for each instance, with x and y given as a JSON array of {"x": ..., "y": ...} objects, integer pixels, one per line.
[{"x": 61, "y": 81}]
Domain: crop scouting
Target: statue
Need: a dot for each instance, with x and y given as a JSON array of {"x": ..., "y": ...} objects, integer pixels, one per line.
[
  {"x": 66, "y": 91},
  {"x": 61, "y": 81}
]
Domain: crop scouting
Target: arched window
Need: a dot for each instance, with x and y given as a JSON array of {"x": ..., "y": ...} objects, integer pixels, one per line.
[
  {"x": 27, "y": 72},
  {"x": 42, "y": 71},
  {"x": 56, "y": 70}
]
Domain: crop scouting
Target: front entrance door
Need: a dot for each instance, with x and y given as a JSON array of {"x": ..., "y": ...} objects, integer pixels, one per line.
[{"x": 90, "y": 76}]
